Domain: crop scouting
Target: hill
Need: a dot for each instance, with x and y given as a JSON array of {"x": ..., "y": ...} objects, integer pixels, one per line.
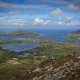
[{"x": 74, "y": 35}]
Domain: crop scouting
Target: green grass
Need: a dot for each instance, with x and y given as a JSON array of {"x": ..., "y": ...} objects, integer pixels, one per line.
[{"x": 15, "y": 64}]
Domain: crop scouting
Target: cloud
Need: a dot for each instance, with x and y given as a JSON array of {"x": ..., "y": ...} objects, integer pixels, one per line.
[
  {"x": 22, "y": 22},
  {"x": 56, "y": 12},
  {"x": 13, "y": 5},
  {"x": 67, "y": 1},
  {"x": 72, "y": 7},
  {"x": 13, "y": 12},
  {"x": 59, "y": 23},
  {"x": 52, "y": 1},
  {"x": 68, "y": 19},
  {"x": 76, "y": 1},
  {"x": 11, "y": 21},
  {"x": 38, "y": 21}
]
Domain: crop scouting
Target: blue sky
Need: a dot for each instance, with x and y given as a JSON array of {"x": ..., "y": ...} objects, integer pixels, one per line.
[{"x": 39, "y": 12}]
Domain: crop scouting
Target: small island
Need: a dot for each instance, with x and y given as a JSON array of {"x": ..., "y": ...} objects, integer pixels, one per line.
[{"x": 20, "y": 33}]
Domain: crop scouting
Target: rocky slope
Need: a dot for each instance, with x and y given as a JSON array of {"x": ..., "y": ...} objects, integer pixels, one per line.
[{"x": 67, "y": 68}]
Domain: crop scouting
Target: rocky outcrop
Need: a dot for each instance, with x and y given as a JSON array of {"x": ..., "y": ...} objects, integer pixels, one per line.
[
  {"x": 67, "y": 68},
  {"x": 64, "y": 72},
  {"x": 67, "y": 71}
]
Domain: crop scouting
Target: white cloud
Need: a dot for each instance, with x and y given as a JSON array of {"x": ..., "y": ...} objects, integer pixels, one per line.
[
  {"x": 38, "y": 21},
  {"x": 66, "y": 21},
  {"x": 13, "y": 12},
  {"x": 56, "y": 12},
  {"x": 15, "y": 22},
  {"x": 72, "y": 7},
  {"x": 59, "y": 23},
  {"x": 21, "y": 22}
]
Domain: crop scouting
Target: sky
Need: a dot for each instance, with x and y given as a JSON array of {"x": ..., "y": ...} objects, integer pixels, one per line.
[{"x": 39, "y": 13}]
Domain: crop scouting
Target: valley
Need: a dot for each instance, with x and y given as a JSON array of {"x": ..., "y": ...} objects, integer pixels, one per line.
[{"x": 38, "y": 62}]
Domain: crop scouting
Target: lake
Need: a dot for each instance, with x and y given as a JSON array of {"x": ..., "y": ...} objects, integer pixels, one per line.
[
  {"x": 56, "y": 35},
  {"x": 20, "y": 46}
]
